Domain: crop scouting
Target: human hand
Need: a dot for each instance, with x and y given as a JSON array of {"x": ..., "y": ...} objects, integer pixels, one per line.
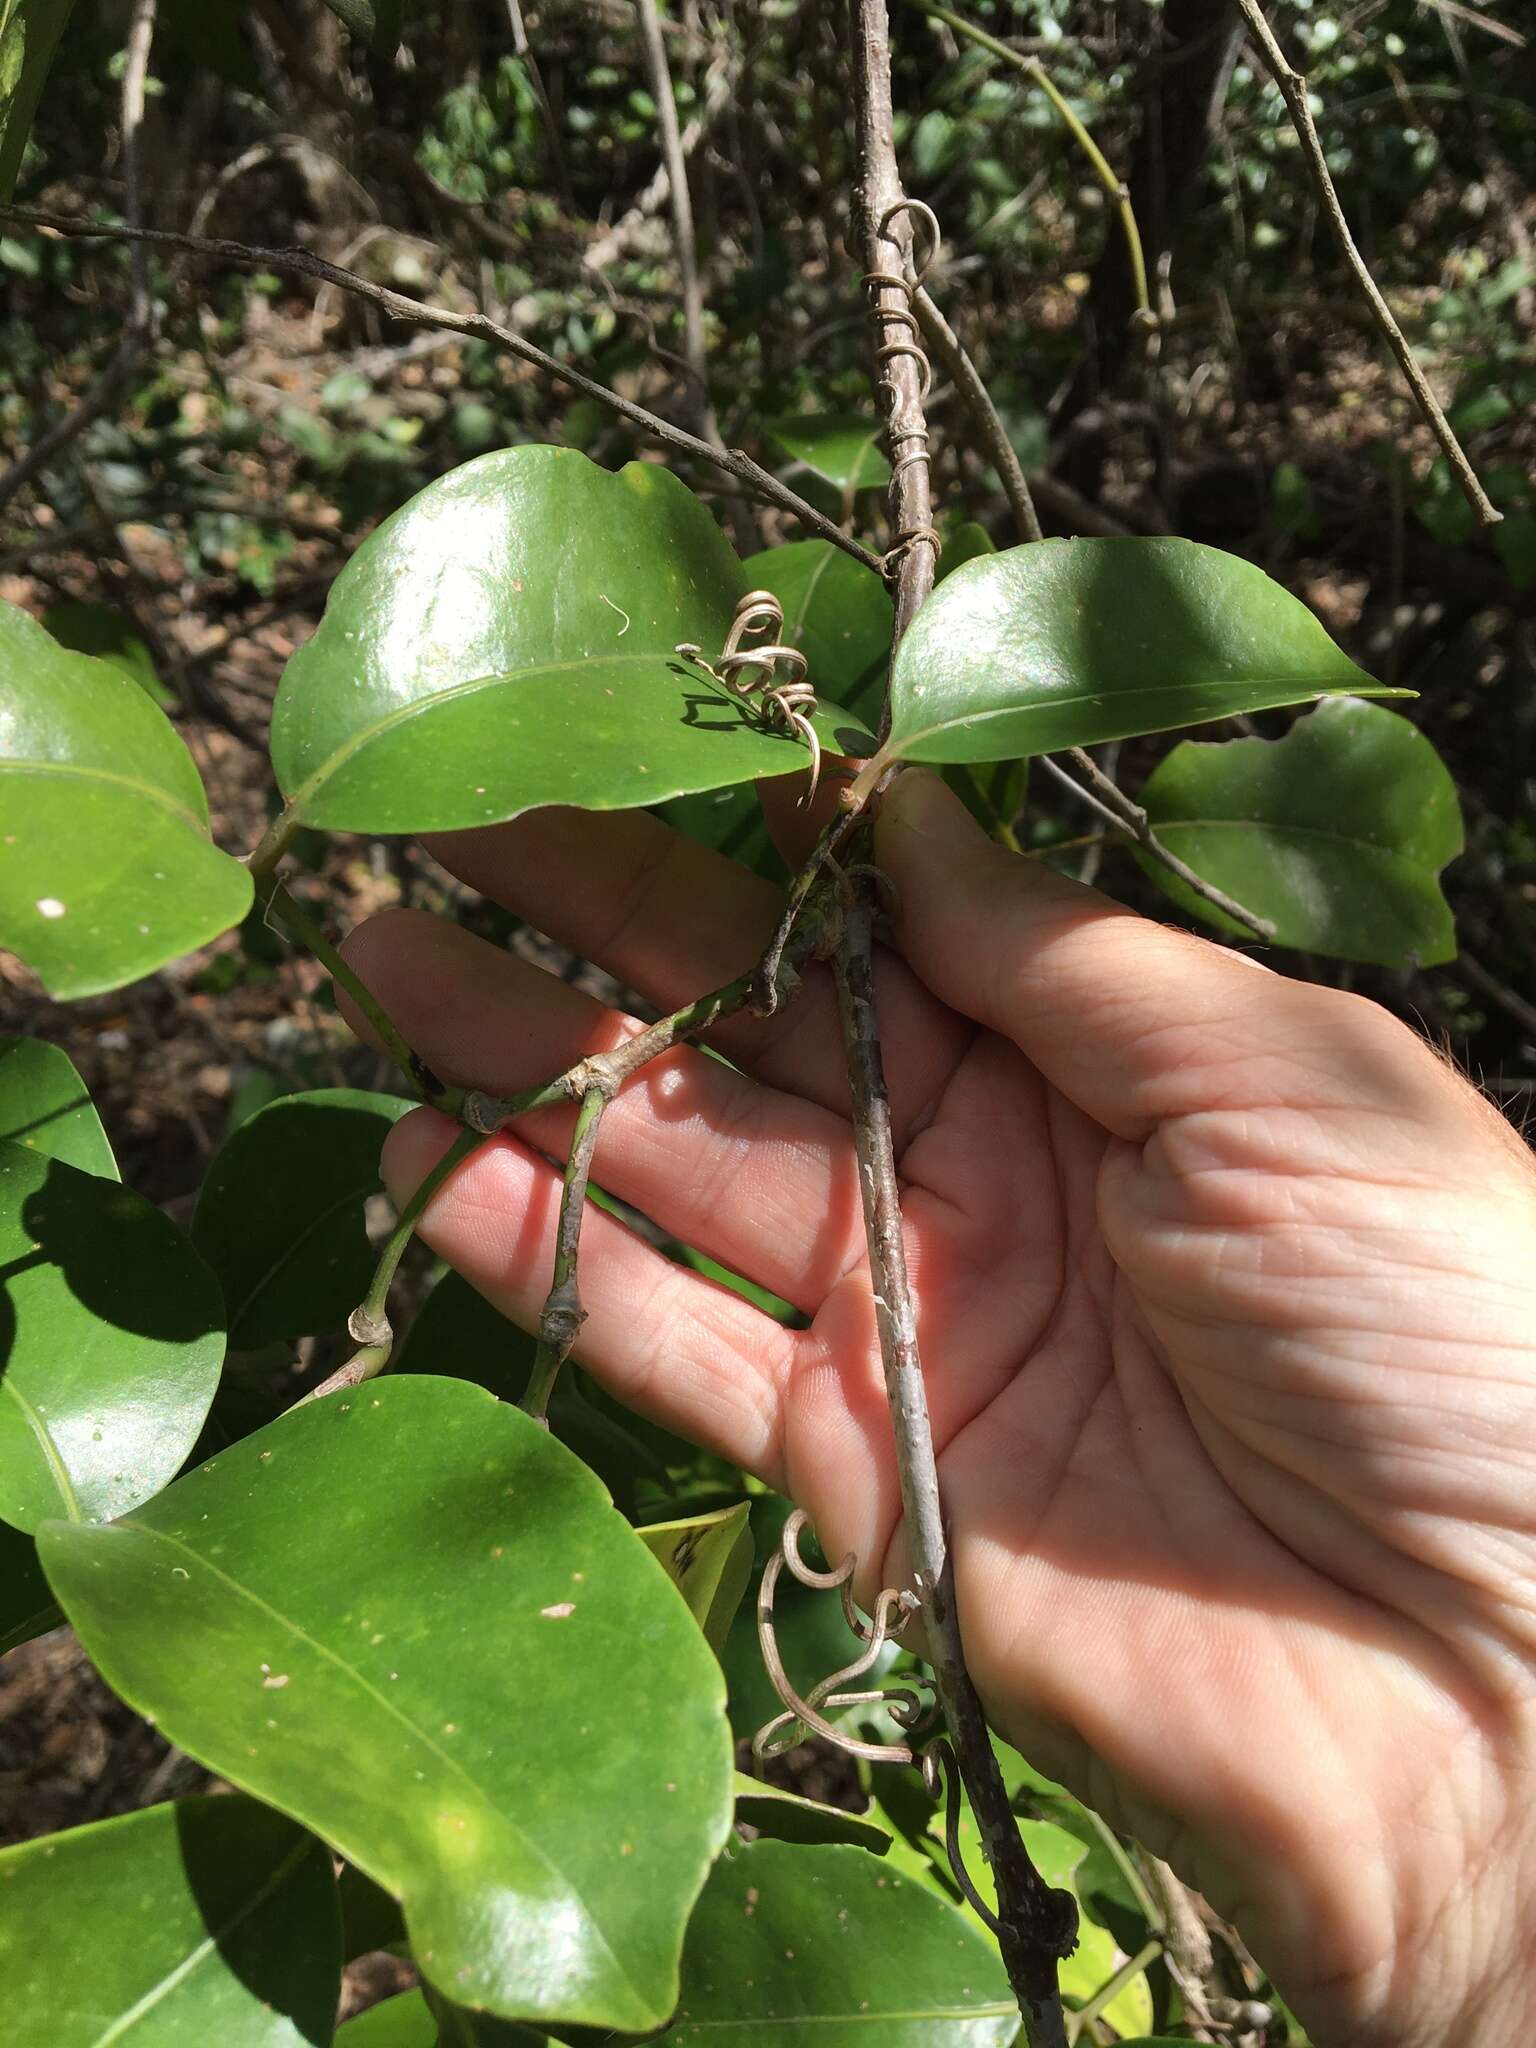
[{"x": 1227, "y": 1304}]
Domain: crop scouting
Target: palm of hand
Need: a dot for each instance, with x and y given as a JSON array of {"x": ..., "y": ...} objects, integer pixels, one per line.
[{"x": 1216, "y": 1330}]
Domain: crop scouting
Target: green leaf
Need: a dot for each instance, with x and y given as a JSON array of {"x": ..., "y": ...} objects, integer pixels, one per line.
[
  {"x": 1335, "y": 833},
  {"x": 709, "y": 1560},
  {"x": 787, "y": 1817},
  {"x": 403, "y": 2022},
  {"x": 370, "y": 1918},
  {"x": 281, "y": 1215},
  {"x": 29, "y": 34},
  {"x": 106, "y": 867},
  {"x": 27, "y": 1608},
  {"x": 111, "y": 1338},
  {"x": 842, "y": 448},
  {"x": 827, "y": 1943},
  {"x": 459, "y": 1335},
  {"x": 100, "y": 630},
  {"x": 419, "y": 1580},
  {"x": 1066, "y": 643},
  {"x": 46, "y": 1107},
  {"x": 508, "y": 639},
  {"x": 208, "y": 1921}
]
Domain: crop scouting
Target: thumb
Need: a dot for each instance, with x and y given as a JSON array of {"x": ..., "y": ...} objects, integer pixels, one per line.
[{"x": 1132, "y": 1020}]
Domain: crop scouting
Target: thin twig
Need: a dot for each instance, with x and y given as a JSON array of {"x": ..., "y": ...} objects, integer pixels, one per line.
[
  {"x": 1509, "y": 1000},
  {"x": 1112, "y": 1987},
  {"x": 271, "y": 895},
  {"x": 108, "y": 387},
  {"x": 682, "y": 218},
  {"x": 952, "y": 353},
  {"x": 1293, "y": 88},
  {"x": 412, "y": 313},
  {"x": 1113, "y": 805},
  {"x": 562, "y": 1316},
  {"x": 369, "y": 1325},
  {"x": 1037, "y": 1924},
  {"x": 1115, "y": 187},
  {"x": 522, "y": 49}
]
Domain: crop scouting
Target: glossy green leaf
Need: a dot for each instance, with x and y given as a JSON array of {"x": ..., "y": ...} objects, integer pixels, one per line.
[
  {"x": 459, "y": 1335},
  {"x": 840, "y": 447},
  {"x": 27, "y": 1607},
  {"x": 403, "y": 2022},
  {"x": 209, "y": 1921},
  {"x": 29, "y": 34},
  {"x": 409, "y": 2021},
  {"x": 828, "y": 1944},
  {"x": 111, "y": 1339},
  {"x": 508, "y": 639},
  {"x": 1065, "y": 643},
  {"x": 419, "y": 1579},
  {"x": 46, "y": 1107},
  {"x": 1335, "y": 833},
  {"x": 281, "y": 1214},
  {"x": 838, "y": 614},
  {"x": 106, "y": 867},
  {"x": 709, "y": 1560},
  {"x": 785, "y": 1816},
  {"x": 112, "y": 637}
]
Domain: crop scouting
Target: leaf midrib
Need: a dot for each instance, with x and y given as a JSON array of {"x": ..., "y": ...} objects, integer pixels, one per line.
[
  {"x": 996, "y": 2009},
  {"x": 1343, "y": 839},
  {"x": 195, "y": 1957},
  {"x": 1304, "y": 688},
  {"x": 451, "y": 1763},
  {"x": 52, "y": 1455},
  {"x": 420, "y": 706},
  {"x": 73, "y": 771},
  {"x": 292, "y": 1250}
]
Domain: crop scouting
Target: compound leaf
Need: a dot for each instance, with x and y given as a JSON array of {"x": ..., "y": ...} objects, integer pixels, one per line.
[
  {"x": 420, "y": 1580},
  {"x": 106, "y": 867},
  {"x": 1336, "y": 833}
]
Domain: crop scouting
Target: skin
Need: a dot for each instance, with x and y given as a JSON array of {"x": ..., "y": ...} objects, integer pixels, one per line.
[{"x": 1227, "y": 1294}]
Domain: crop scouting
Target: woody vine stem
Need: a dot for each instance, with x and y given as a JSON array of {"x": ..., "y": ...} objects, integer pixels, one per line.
[{"x": 1036, "y": 1925}]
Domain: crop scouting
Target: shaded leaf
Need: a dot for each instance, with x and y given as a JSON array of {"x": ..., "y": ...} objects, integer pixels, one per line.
[
  {"x": 106, "y": 867},
  {"x": 787, "y": 1817},
  {"x": 111, "y": 636},
  {"x": 281, "y": 1214},
  {"x": 27, "y": 1607},
  {"x": 508, "y": 639},
  {"x": 421, "y": 1579},
  {"x": 787, "y": 1939},
  {"x": 211, "y": 1920},
  {"x": 1065, "y": 643},
  {"x": 370, "y": 1918},
  {"x": 29, "y": 34},
  {"x": 842, "y": 448},
  {"x": 411, "y": 2021},
  {"x": 709, "y": 1560},
  {"x": 458, "y": 1334},
  {"x": 46, "y": 1107},
  {"x": 1335, "y": 833},
  {"x": 111, "y": 1339}
]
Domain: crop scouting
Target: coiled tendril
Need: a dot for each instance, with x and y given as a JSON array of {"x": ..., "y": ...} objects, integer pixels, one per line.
[{"x": 751, "y": 674}]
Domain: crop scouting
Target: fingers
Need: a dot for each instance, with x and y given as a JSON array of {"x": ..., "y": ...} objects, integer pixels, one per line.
[
  {"x": 1132, "y": 1020},
  {"x": 673, "y": 919},
  {"x": 665, "y": 1341},
  {"x": 764, "y": 1182}
]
